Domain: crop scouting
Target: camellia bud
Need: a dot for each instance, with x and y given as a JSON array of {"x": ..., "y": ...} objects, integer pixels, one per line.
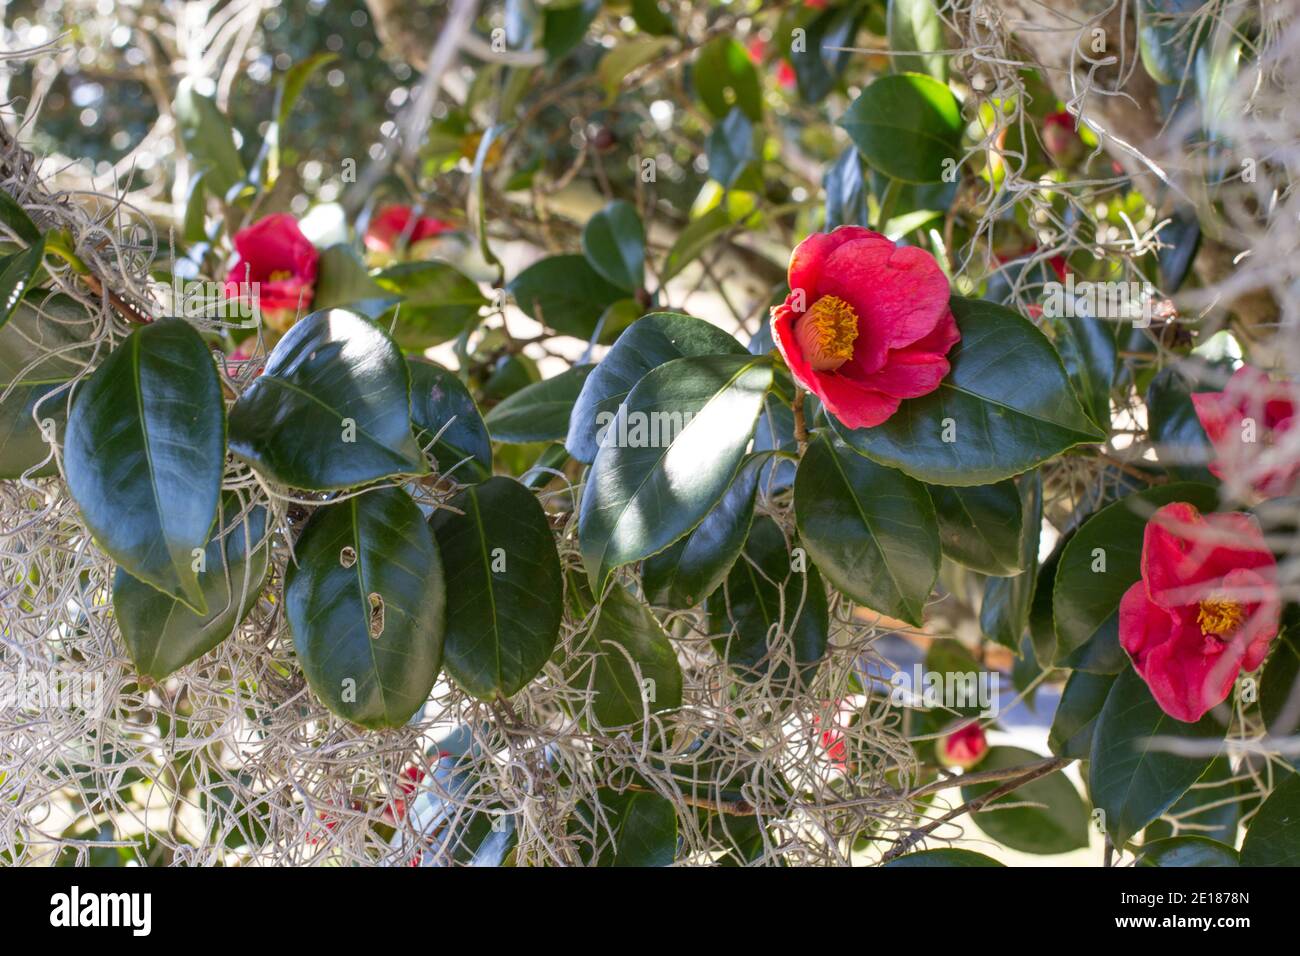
[
  {"x": 963, "y": 747},
  {"x": 1061, "y": 139}
]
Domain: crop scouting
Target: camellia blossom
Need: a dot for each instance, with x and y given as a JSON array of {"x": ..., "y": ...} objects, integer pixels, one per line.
[
  {"x": 866, "y": 323},
  {"x": 1244, "y": 423},
  {"x": 390, "y": 224},
  {"x": 1061, "y": 139},
  {"x": 964, "y": 747},
  {"x": 275, "y": 270},
  {"x": 1207, "y": 607}
]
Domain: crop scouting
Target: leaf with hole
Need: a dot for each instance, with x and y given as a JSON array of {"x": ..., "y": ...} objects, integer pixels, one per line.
[{"x": 366, "y": 601}]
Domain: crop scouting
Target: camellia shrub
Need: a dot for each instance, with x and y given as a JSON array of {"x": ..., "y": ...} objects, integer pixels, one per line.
[{"x": 650, "y": 433}]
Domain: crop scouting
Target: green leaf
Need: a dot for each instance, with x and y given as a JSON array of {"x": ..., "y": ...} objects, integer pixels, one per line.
[
  {"x": 539, "y": 412},
  {"x": 871, "y": 530},
  {"x": 908, "y": 126},
  {"x": 764, "y": 599},
  {"x": 626, "y": 57},
  {"x": 614, "y": 243},
  {"x": 1008, "y": 601},
  {"x": 626, "y": 647},
  {"x": 648, "y": 343},
  {"x": 331, "y": 410},
  {"x": 632, "y": 829},
  {"x": 1211, "y": 807},
  {"x": 1090, "y": 355},
  {"x": 684, "y": 574},
  {"x": 287, "y": 93},
  {"x": 342, "y": 280},
  {"x": 16, "y": 273},
  {"x": 1279, "y": 682},
  {"x": 670, "y": 453},
  {"x": 1006, "y": 406},
  {"x": 1101, "y": 562},
  {"x": 564, "y": 293},
  {"x": 650, "y": 17},
  {"x": 441, "y": 405},
  {"x": 724, "y": 76},
  {"x": 1274, "y": 837},
  {"x": 1131, "y": 780},
  {"x": 505, "y": 590},
  {"x": 1056, "y": 822},
  {"x": 846, "y": 191},
  {"x": 208, "y": 137},
  {"x": 733, "y": 150},
  {"x": 15, "y": 217},
  {"x": 825, "y": 54},
  {"x": 565, "y": 26},
  {"x": 365, "y": 602},
  {"x": 1181, "y": 443},
  {"x": 944, "y": 857},
  {"x": 144, "y": 454},
  {"x": 23, "y": 443},
  {"x": 698, "y": 235},
  {"x": 438, "y": 302},
  {"x": 914, "y": 25},
  {"x": 1196, "y": 851},
  {"x": 981, "y": 526},
  {"x": 161, "y": 634},
  {"x": 46, "y": 341},
  {"x": 1076, "y": 714}
]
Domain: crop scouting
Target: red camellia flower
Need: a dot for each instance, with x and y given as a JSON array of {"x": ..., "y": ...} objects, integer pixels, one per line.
[
  {"x": 1244, "y": 422},
  {"x": 391, "y": 223},
  {"x": 407, "y": 781},
  {"x": 964, "y": 747},
  {"x": 275, "y": 269},
  {"x": 1206, "y": 608},
  {"x": 866, "y": 323}
]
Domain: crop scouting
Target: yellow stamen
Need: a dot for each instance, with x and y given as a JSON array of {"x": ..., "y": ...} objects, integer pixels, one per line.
[
  {"x": 279, "y": 275},
  {"x": 826, "y": 333},
  {"x": 1219, "y": 616}
]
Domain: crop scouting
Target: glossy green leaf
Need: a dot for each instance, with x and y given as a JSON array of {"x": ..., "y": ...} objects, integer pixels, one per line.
[
  {"x": 1006, "y": 608},
  {"x": 626, "y": 57},
  {"x": 980, "y": 526},
  {"x": 870, "y": 529},
  {"x": 46, "y": 341},
  {"x": 826, "y": 50},
  {"x": 846, "y": 191},
  {"x": 625, "y": 657},
  {"x": 441, "y": 405},
  {"x": 733, "y": 149},
  {"x": 1188, "y": 850},
  {"x": 331, "y": 409},
  {"x": 144, "y": 453},
  {"x": 1076, "y": 714},
  {"x": 539, "y": 412},
  {"x": 944, "y": 857},
  {"x": 1210, "y": 808},
  {"x": 24, "y": 444},
  {"x": 1054, "y": 819},
  {"x": 648, "y": 343},
  {"x": 564, "y": 293},
  {"x": 614, "y": 243},
  {"x": 630, "y": 829},
  {"x": 1090, "y": 355},
  {"x": 1279, "y": 686},
  {"x": 16, "y": 273},
  {"x": 765, "y": 600},
  {"x": 1005, "y": 406},
  {"x": 564, "y": 26},
  {"x": 914, "y": 26},
  {"x": 1130, "y": 777},
  {"x": 1273, "y": 838},
  {"x": 438, "y": 302},
  {"x": 505, "y": 590},
  {"x": 366, "y": 601},
  {"x": 162, "y": 634},
  {"x": 342, "y": 280},
  {"x": 698, "y": 236},
  {"x": 1181, "y": 443},
  {"x": 1101, "y": 562},
  {"x": 671, "y": 452},
  {"x": 684, "y": 574},
  {"x": 908, "y": 126},
  {"x": 724, "y": 75}
]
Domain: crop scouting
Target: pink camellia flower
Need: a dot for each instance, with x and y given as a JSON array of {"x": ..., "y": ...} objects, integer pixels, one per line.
[
  {"x": 1061, "y": 139},
  {"x": 275, "y": 270},
  {"x": 866, "y": 323},
  {"x": 390, "y": 224},
  {"x": 1244, "y": 423},
  {"x": 964, "y": 747},
  {"x": 1206, "y": 608}
]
